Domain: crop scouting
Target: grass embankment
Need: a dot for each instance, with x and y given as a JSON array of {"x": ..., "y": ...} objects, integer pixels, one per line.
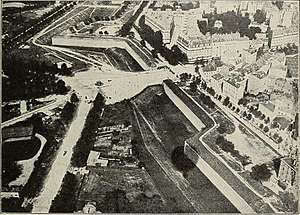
[{"x": 173, "y": 128}]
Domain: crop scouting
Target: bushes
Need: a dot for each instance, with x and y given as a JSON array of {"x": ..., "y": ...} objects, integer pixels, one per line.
[
  {"x": 260, "y": 172},
  {"x": 228, "y": 146},
  {"x": 224, "y": 144}
]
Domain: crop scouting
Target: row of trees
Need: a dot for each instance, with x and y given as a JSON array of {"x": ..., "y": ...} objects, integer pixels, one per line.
[
  {"x": 85, "y": 143},
  {"x": 125, "y": 29},
  {"x": 232, "y": 22},
  {"x": 155, "y": 39},
  {"x": 228, "y": 146}
]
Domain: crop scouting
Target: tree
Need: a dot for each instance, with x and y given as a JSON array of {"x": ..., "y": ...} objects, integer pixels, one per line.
[
  {"x": 11, "y": 170},
  {"x": 261, "y": 126},
  {"x": 143, "y": 43},
  {"x": 61, "y": 87},
  {"x": 266, "y": 129},
  {"x": 267, "y": 120},
  {"x": 249, "y": 116},
  {"x": 180, "y": 160},
  {"x": 221, "y": 128},
  {"x": 224, "y": 144},
  {"x": 237, "y": 110},
  {"x": 74, "y": 98},
  {"x": 226, "y": 101},
  {"x": 279, "y": 4},
  {"x": 259, "y": 17},
  {"x": 65, "y": 201},
  {"x": 105, "y": 32},
  {"x": 193, "y": 86},
  {"x": 202, "y": 25},
  {"x": 67, "y": 112},
  {"x": 115, "y": 201},
  {"x": 260, "y": 172}
]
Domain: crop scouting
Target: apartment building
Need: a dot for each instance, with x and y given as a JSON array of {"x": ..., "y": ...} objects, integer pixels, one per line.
[{"x": 234, "y": 88}]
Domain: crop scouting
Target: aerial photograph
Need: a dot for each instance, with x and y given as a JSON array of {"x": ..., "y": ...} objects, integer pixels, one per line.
[{"x": 149, "y": 106}]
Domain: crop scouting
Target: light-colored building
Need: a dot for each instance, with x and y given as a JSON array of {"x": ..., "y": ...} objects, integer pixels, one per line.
[
  {"x": 268, "y": 109},
  {"x": 195, "y": 46},
  {"x": 287, "y": 18},
  {"x": 198, "y": 46},
  {"x": 282, "y": 36},
  {"x": 234, "y": 88},
  {"x": 94, "y": 160},
  {"x": 224, "y": 6},
  {"x": 249, "y": 55},
  {"x": 223, "y": 43},
  {"x": 160, "y": 20},
  {"x": 288, "y": 173},
  {"x": 217, "y": 83},
  {"x": 257, "y": 82}
]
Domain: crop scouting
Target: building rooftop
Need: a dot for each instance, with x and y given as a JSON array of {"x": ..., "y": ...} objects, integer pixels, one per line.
[
  {"x": 269, "y": 105},
  {"x": 16, "y": 132},
  {"x": 235, "y": 81},
  {"x": 259, "y": 74},
  {"x": 227, "y": 37},
  {"x": 217, "y": 76}
]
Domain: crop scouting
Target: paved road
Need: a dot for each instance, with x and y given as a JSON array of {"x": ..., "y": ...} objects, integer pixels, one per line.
[
  {"x": 29, "y": 114},
  {"x": 53, "y": 182}
]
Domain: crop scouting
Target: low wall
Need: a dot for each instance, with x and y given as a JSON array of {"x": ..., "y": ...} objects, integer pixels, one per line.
[
  {"x": 201, "y": 164},
  {"x": 98, "y": 42},
  {"x": 240, "y": 204},
  {"x": 183, "y": 108}
]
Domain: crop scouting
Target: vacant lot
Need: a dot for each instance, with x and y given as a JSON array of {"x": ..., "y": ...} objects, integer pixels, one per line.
[{"x": 102, "y": 180}]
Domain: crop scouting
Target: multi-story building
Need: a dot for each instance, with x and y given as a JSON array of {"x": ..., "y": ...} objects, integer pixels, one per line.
[
  {"x": 257, "y": 82},
  {"x": 195, "y": 46},
  {"x": 268, "y": 109},
  {"x": 288, "y": 174},
  {"x": 198, "y": 46},
  {"x": 282, "y": 36},
  {"x": 287, "y": 18},
  {"x": 234, "y": 88},
  {"x": 249, "y": 55},
  {"x": 224, "y": 6},
  {"x": 160, "y": 20},
  {"x": 216, "y": 82},
  {"x": 223, "y": 43},
  {"x": 291, "y": 62}
]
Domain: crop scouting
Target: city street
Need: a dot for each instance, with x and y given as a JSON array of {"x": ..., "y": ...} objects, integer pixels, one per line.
[{"x": 53, "y": 182}]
